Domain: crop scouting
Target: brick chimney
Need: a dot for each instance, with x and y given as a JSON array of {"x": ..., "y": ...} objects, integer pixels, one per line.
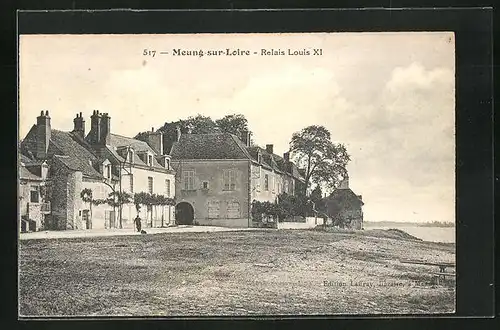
[
  {"x": 79, "y": 125},
  {"x": 42, "y": 134},
  {"x": 269, "y": 148},
  {"x": 245, "y": 137},
  {"x": 344, "y": 184},
  {"x": 155, "y": 141},
  {"x": 286, "y": 157},
  {"x": 105, "y": 138},
  {"x": 178, "y": 130},
  {"x": 95, "y": 128}
]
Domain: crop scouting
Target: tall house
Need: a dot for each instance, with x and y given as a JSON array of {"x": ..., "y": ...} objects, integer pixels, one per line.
[
  {"x": 219, "y": 175},
  {"x": 100, "y": 163}
]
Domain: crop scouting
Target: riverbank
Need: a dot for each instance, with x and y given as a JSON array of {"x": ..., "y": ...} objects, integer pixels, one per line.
[{"x": 264, "y": 272}]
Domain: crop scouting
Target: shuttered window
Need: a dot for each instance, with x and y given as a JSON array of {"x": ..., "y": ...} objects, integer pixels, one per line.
[
  {"x": 167, "y": 187},
  {"x": 150, "y": 184},
  {"x": 233, "y": 210},
  {"x": 213, "y": 209}
]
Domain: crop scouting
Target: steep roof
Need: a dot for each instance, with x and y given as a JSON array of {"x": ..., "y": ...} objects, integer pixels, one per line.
[
  {"x": 345, "y": 194},
  {"x": 209, "y": 146},
  {"x": 123, "y": 141},
  {"x": 78, "y": 152},
  {"x": 26, "y": 174},
  {"x": 118, "y": 141},
  {"x": 227, "y": 146}
]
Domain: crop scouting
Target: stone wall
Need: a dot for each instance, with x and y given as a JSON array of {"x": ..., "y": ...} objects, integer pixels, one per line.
[{"x": 213, "y": 205}]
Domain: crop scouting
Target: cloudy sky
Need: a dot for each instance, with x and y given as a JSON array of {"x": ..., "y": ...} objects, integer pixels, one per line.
[{"x": 389, "y": 97}]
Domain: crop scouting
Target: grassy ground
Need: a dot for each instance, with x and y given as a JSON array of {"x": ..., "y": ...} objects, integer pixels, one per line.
[{"x": 232, "y": 273}]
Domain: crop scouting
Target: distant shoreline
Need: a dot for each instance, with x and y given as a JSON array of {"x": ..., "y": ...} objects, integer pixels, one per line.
[{"x": 409, "y": 224}]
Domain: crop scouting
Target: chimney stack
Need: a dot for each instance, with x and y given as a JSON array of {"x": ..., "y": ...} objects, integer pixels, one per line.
[
  {"x": 245, "y": 137},
  {"x": 79, "y": 125},
  {"x": 286, "y": 156},
  {"x": 344, "y": 184},
  {"x": 105, "y": 138},
  {"x": 178, "y": 137},
  {"x": 155, "y": 141},
  {"x": 269, "y": 148},
  {"x": 95, "y": 127},
  {"x": 43, "y": 133}
]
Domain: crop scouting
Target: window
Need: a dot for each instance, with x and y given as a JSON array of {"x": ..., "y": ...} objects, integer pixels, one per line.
[
  {"x": 167, "y": 164},
  {"x": 167, "y": 187},
  {"x": 131, "y": 183},
  {"x": 150, "y": 184},
  {"x": 286, "y": 187},
  {"x": 213, "y": 209},
  {"x": 130, "y": 156},
  {"x": 205, "y": 185},
  {"x": 233, "y": 210},
  {"x": 150, "y": 160},
  {"x": 188, "y": 179},
  {"x": 229, "y": 179},
  {"x": 108, "y": 171},
  {"x": 272, "y": 184},
  {"x": 266, "y": 182},
  {"x": 34, "y": 194}
]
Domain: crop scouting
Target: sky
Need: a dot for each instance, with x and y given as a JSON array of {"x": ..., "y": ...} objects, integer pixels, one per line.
[{"x": 389, "y": 97}]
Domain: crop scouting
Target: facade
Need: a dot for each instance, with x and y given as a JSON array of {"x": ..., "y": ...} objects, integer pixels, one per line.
[
  {"x": 344, "y": 207},
  {"x": 33, "y": 205},
  {"x": 102, "y": 162},
  {"x": 218, "y": 176}
]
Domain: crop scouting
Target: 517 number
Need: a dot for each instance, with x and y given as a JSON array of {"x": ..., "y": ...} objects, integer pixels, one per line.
[{"x": 148, "y": 52}]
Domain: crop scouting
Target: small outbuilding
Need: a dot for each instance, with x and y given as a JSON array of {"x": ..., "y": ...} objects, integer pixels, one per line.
[{"x": 344, "y": 207}]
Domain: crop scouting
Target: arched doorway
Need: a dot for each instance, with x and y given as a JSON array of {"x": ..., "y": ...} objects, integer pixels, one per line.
[{"x": 184, "y": 213}]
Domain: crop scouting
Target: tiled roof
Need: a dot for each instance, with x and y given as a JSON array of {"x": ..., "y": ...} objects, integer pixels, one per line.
[
  {"x": 25, "y": 174},
  {"x": 209, "y": 146},
  {"x": 23, "y": 158},
  {"x": 343, "y": 194},
  {"x": 79, "y": 154},
  {"x": 227, "y": 146},
  {"x": 123, "y": 141},
  {"x": 138, "y": 146}
]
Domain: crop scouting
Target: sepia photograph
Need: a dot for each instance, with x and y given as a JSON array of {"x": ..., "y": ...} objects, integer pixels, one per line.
[{"x": 242, "y": 174}]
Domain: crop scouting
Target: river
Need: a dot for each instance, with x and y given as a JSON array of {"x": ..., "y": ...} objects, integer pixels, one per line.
[{"x": 431, "y": 234}]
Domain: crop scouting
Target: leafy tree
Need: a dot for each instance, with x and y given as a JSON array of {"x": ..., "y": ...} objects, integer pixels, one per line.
[
  {"x": 87, "y": 197},
  {"x": 151, "y": 200},
  {"x": 317, "y": 198},
  {"x": 117, "y": 199},
  {"x": 324, "y": 162},
  {"x": 200, "y": 124},
  {"x": 235, "y": 124}
]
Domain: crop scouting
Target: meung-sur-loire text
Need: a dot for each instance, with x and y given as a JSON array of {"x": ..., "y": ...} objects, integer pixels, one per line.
[{"x": 246, "y": 52}]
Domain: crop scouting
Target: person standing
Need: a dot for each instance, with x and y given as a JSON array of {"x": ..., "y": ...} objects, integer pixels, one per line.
[{"x": 137, "y": 222}]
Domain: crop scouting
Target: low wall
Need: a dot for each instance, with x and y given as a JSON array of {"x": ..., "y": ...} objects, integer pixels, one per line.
[
  {"x": 307, "y": 223},
  {"x": 223, "y": 222}
]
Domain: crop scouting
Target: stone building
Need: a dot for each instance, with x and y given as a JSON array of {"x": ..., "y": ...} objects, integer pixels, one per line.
[
  {"x": 344, "y": 207},
  {"x": 33, "y": 205},
  {"x": 102, "y": 162},
  {"x": 219, "y": 175}
]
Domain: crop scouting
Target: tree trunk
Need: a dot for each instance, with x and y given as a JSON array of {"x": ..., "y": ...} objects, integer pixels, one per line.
[
  {"x": 120, "y": 215},
  {"x": 90, "y": 215}
]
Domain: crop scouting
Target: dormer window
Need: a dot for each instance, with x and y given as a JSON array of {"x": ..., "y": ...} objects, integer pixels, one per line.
[
  {"x": 167, "y": 164},
  {"x": 130, "y": 156},
  {"x": 150, "y": 160},
  {"x": 108, "y": 171}
]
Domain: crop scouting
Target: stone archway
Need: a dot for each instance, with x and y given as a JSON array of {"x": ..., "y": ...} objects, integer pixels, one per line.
[{"x": 184, "y": 213}]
